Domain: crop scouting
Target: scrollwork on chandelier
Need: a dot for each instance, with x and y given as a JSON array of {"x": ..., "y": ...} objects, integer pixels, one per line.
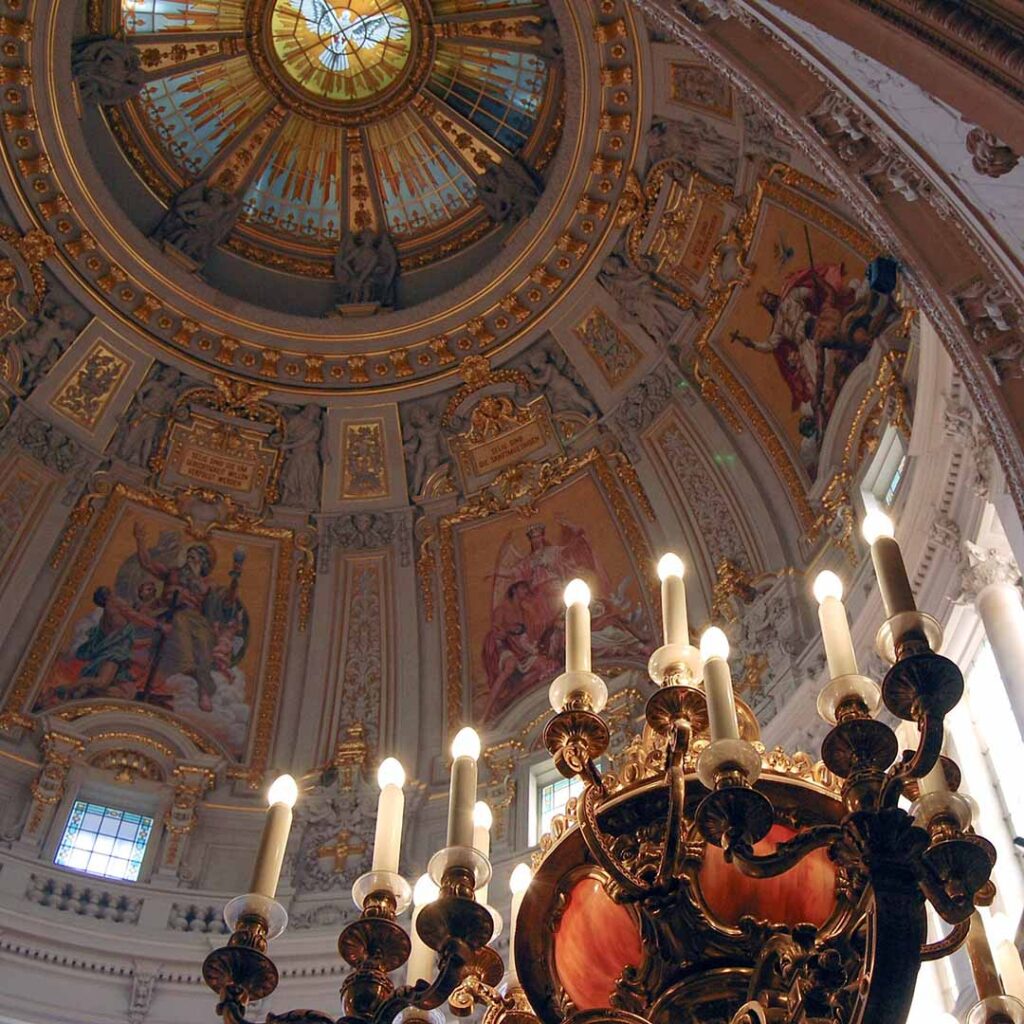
[{"x": 667, "y": 842}]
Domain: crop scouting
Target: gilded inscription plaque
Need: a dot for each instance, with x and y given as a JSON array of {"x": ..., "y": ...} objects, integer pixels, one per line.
[{"x": 227, "y": 456}]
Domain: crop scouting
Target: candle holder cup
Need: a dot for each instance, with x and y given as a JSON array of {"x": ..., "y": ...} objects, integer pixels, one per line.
[
  {"x": 733, "y": 813},
  {"x": 575, "y": 738},
  {"x": 676, "y": 664},
  {"x": 241, "y": 971},
  {"x": 997, "y": 1010},
  {"x": 920, "y": 681},
  {"x": 458, "y": 871}
]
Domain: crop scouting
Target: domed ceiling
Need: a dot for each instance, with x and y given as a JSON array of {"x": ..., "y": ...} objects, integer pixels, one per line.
[
  {"x": 375, "y": 321},
  {"x": 320, "y": 131}
]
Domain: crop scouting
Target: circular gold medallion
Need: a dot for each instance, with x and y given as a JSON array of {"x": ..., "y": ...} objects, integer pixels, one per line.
[{"x": 344, "y": 62}]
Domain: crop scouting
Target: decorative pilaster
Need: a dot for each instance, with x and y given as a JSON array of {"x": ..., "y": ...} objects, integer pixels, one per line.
[
  {"x": 192, "y": 783},
  {"x": 60, "y": 748}
]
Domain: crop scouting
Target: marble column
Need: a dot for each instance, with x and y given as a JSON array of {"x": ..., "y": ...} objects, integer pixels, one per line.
[{"x": 991, "y": 582}]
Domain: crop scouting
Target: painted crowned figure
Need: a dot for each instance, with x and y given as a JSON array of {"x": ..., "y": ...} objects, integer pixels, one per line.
[{"x": 525, "y": 645}]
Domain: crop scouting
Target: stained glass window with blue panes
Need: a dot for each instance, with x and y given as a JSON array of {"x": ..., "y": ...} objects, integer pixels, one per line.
[{"x": 104, "y": 841}]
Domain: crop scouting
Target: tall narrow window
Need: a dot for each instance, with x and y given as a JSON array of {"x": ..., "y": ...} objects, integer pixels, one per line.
[
  {"x": 885, "y": 474},
  {"x": 104, "y": 841}
]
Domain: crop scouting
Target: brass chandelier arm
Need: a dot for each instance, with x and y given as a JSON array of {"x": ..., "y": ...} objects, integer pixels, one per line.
[
  {"x": 587, "y": 815},
  {"x": 948, "y": 944},
  {"x": 929, "y": 749},
  {"x": 451, "y": 971},
  {"x": 787, "y": 855},
  {"x": 672, "y": 855}
]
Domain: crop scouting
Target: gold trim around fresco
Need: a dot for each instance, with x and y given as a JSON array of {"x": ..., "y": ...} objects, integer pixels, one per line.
[
  {"x": 780, "y": 184},
  {"x": 529, "y": 481},
  {"x": 29, "y": 676}
]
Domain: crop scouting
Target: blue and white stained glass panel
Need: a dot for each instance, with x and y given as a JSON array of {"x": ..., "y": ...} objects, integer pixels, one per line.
[{"x": 104, "y": 841}]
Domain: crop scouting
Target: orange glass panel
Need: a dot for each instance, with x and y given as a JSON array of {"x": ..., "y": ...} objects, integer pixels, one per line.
[
  {"x": 805, "y": 893},
  {"x": 595, "y": 940}
]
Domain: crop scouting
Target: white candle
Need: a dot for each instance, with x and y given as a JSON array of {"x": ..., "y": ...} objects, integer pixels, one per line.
[
  {"x": 462, "y": 795},
  {"x": 835, "y": 627},
  {"x": 421, "y": 959},
  {"x": 387, "y": 839},
  {"x": 520, "y": 881},
  {"x": 673, "y": 600},
  {"x": 482, "y": 822},
  {"x": 1011, "y": 970},
  {"x": 270, "y": 856},
  {"x": 577, "y": 626},
  {"x": 983, "y": 966},
  {"x": 714, "y": 650},
  {"x": 888, "y": 561}
]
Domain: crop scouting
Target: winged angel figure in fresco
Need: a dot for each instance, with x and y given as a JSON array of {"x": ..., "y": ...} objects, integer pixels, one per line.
[
  {"x": 525, "y": 645},
  {"x": 166, "y": 632}
]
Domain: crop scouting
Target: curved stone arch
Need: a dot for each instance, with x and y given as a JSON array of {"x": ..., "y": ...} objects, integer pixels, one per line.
[
  {"x": 152, "y": 732},
  {"x": 942, "y": 251},
  {"x": 936, "y": 46}
]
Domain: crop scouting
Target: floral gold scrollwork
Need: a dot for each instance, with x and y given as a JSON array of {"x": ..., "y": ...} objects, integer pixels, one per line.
[
  {"x": 477, "y": 374},
  {"x": 886, "y": 401},
  {"x": 305, "y": 576},
  {"x": 78, "y": 519},
  {"x": 426, "y": 566},
  {"x": 92, "y": 384},
  {"x": 128, "y": 765}
]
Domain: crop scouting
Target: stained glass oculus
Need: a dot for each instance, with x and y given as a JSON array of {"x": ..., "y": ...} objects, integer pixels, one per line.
[
  {"x": 104, "y": 841},
  {"x": 327, "y": 116},
  {"x": 342, "y": 50}
]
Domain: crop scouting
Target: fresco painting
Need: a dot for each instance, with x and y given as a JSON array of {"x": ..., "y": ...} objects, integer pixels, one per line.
[
  {"x": 171, "y": 620},
  {"x": 815, "y": 305},
  {"x": 514, "y": 569}
]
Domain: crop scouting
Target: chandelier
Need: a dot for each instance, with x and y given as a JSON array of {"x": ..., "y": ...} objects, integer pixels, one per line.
[{"x": 703, "y": 881}]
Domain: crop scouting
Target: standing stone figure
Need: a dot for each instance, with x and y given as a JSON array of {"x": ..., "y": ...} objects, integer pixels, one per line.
[
  {"x": 198, "y": 220},
  {"x": 143, "y": 424},
  {"x": 301, "y": 445},
  {"x": 636, "y": 295},
  {"x": 107, "y": 71},
  {"x": 44, "y": 339},
  {"x": 366, "y": 269},
  {"x": 507, "y": 191},
  {"x": 421, "y": 442},
  {"x": 545, "y": 31}
]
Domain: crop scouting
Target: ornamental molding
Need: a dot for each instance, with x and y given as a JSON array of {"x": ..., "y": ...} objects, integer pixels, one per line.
[
  {"x": 859, "y": 198},
  {"x": 535, "y": 279}
]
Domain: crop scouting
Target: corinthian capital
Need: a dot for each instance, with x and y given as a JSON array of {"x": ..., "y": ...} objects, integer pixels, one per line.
[{"x": 985, "y": 566}]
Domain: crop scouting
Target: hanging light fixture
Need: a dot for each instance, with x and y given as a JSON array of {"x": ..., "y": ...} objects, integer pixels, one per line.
[{"x": 703, "y": 879}]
